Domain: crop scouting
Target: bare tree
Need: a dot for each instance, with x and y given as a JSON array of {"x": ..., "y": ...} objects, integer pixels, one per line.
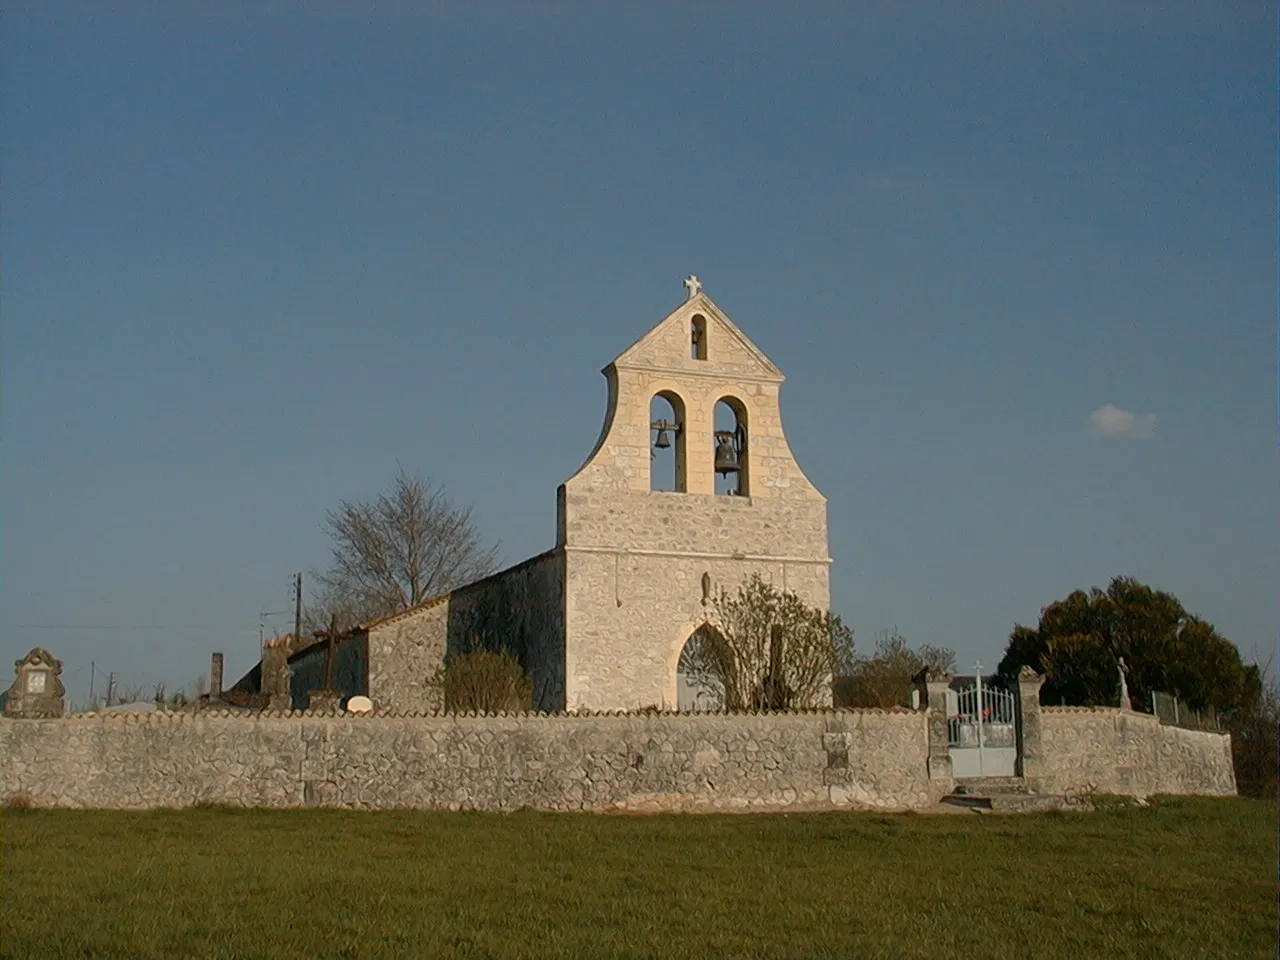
[
  {"x": 768, "y": 650},
  {"x": 884, "y": 679},
  {"x": 407, "y": 546}
]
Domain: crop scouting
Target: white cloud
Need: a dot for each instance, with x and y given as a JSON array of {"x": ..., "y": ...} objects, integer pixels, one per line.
[{"x": 1111, "y": 421}]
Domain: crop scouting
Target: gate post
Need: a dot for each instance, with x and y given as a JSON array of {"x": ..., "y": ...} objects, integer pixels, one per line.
[
  {"x": 1030, "y": 746},
  {"x": 937, "y": 683}
]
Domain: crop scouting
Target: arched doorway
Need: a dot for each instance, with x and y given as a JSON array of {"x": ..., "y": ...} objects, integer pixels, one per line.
[{"x": 699, "y": 683}]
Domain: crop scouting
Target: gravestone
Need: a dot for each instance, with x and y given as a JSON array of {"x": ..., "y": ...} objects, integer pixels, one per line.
[{"x": 37, "y": 693}]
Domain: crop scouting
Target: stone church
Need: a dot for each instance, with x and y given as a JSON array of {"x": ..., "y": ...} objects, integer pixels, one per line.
[{"x": 690, "y": 489}]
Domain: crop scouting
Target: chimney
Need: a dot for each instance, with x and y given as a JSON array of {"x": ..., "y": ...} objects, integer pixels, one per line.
[{"x": 215, "y": 677}]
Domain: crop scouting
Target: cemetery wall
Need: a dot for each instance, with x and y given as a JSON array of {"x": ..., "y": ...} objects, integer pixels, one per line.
[
  {"x": 653, "y": 762},
  {"x": 831, "y": 759},
  {"x": 1118, "y": 751}
]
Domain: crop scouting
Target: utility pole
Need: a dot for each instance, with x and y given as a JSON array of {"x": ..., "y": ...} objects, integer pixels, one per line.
[
  {"x": 297, "y": 607},
  {"x": 91, "y": 671}
]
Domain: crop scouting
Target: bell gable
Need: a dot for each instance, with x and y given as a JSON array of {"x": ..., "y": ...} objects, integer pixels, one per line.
[{"x": 699, "y": 339}]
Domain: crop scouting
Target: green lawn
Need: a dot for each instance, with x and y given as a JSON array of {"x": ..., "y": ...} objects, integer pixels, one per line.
[{"x": 1182, "y": 878}]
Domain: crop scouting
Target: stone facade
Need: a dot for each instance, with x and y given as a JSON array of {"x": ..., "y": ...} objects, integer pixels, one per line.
[
  {"x": 519, "y": 610},
  {"x": 1118, "y": 751},
  {"x": 599, "y": 622},
  {"x": 650, "y": 762},
  {"x": 634, "y": 557}
]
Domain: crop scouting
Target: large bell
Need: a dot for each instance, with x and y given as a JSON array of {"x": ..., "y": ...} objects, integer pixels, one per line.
[{"x": 726, "y": 455}]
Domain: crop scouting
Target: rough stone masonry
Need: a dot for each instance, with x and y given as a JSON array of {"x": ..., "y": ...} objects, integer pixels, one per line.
[
  {"x": 655, "y": 762},
  {"x": 822, "y": 759},
  {"x": 600, "y": 620}
]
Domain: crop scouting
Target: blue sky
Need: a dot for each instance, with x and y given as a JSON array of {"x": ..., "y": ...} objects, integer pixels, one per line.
[{"x": 1017, "y": 261}]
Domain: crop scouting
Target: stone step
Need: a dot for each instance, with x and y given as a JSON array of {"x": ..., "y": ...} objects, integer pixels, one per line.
[
  {"x": 1037, "y": 803},
  {"x": 992, "y": 786},
  {"x": 1016, "y": 803}
]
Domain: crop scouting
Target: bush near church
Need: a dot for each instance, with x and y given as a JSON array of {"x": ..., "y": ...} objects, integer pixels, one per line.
[{"x": 484, "y": 681}]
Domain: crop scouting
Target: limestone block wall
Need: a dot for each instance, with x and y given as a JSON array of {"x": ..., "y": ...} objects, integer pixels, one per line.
[
  {"x": 660, "y": 363},
  {"x": 621, "y": 462},
  {"x": 708, "y": 762},
  {"x": 634, "y": 567},
  {"x": 629, "y": 615},
  {"x": 1119, "y": 751},
  {"x": 696, "y": 523},
  {"x": 520, "y": 610},
  {"x": 635, "y": 558},
  {"x": 405, "y": 651}
]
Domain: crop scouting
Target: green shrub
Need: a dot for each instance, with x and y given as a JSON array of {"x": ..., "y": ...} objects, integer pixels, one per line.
[{"x": 484, "y": 681}]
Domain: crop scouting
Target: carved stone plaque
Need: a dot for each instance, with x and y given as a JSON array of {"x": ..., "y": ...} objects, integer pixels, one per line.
[{"x": 37, "y": 693}]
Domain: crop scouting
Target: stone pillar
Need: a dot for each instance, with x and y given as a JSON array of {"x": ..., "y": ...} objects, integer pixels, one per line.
[
  {"x": 1030, "y": 726},
  {"x": 276, "y": 674},
  {"x": 37, "y": 693},
  {"x": 937, "y": 684},
  {"x": 215, "y": 677}
]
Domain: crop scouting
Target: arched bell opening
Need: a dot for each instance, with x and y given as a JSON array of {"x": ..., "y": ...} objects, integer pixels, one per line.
[
  {"x": 699, "y": 674},
  {"x": 698, "y": 337},
  {"x": 666, "y": 434},
  {"x": 730, "y": 448}
]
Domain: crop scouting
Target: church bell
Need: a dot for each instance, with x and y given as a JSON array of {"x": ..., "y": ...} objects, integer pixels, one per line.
[
  {"x": 664, "y": 428},
  {"x": 726, "y": 452}
]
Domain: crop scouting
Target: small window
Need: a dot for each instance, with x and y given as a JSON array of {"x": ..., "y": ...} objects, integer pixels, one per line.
[{"x": 698, "y": 349}]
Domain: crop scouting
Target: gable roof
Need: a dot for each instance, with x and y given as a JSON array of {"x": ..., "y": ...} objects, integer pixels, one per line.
[{"x": 635, "y": 355}]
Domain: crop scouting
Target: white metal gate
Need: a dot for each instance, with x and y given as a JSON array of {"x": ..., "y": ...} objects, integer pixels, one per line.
[{"x": 982, "y": 735}]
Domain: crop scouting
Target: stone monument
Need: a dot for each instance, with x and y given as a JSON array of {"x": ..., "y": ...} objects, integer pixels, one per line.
[{"x": 37, "y": 693}]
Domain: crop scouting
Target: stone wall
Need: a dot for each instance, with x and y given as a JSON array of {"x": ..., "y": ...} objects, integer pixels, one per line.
[
  {"x": 405, "y": 651},
  {"x": 635, "y": 558},
  {"x": 1118, "y": 751},
  {"x": 660, "y": 362},
  {"x": 630, "y": 614},
  {"x": 520, "y": 610},
  {"x": 707, "y": 762}
]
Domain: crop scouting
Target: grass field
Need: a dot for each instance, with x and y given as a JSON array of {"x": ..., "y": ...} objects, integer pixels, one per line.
[{"x": 1182, "y": 878}]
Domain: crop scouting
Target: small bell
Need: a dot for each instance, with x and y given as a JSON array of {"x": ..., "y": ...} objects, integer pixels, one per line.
[
  {"x": 664, "y": 439},
  {"x": 726, "y": 455}
]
